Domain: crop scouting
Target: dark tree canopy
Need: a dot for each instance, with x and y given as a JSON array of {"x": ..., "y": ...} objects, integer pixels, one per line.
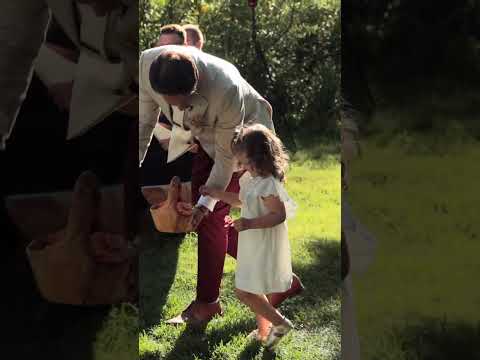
[{"x": 289, "y": 51}]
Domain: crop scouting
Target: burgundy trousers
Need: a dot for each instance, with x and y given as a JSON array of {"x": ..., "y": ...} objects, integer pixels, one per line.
[{"x": 214, "y": 239}]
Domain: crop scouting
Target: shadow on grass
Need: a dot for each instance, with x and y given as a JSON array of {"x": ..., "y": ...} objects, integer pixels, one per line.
[
  {"x": 66, "y": 332},
  {"x": 435, "y": 339},
  {"x": 250, "y": 351},
  {"x": 253, "y": 349},
  {"x": 195, "y": 341},
  {"x": 321, "y": 278},
  {"x": 158, "y": 265},
  {"x": 322, "y": 281}
]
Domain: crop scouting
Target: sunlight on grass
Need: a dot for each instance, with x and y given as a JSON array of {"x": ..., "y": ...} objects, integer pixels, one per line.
[
  {"x": 314, "y": 235},
  {"x": 419, "y": 204}
]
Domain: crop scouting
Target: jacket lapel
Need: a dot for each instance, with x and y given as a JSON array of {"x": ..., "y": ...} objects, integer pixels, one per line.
[
  {"x": 65, "y": 13},
  {"x": 195, "y": 117},
  {"x": 165, "y": 108}
]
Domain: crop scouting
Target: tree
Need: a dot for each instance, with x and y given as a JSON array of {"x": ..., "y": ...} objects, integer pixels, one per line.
[{"x": 288, "y": 50}]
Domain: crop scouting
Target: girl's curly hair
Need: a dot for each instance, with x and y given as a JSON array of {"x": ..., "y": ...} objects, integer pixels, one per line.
[{"x": 263, "y": 148}]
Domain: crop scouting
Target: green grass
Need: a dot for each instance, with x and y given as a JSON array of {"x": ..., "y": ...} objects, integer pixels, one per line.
[
  {"x": 117, "y": 340},
  {"x": 168, "y": 278},
  {"x": 421, "y": 205}
]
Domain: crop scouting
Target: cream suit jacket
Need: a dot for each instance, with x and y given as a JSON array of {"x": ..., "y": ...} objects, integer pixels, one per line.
[{"x": 223, "y": 100}]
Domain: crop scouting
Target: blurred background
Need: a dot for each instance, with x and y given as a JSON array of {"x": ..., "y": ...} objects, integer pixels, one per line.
[
  {"x": 411, "y": 77},
  {"x": 288, "y": 50},
  {"x": 421, "y": 58}
]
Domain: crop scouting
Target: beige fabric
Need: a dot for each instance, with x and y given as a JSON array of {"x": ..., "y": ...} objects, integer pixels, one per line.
[
  {"x": 20, "y": 45},
  {"x": 223, "y": 101}
]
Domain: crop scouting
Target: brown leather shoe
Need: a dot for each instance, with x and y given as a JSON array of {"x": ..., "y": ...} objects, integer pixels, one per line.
[
  {"x": 197, "y": 314},
  {"x": 296, "y": 288}
]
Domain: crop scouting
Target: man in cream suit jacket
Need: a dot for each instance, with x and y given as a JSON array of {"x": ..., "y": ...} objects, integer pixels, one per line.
[
  {"x": 107, "y": 63},
  {"x": 206, "y": 95}
]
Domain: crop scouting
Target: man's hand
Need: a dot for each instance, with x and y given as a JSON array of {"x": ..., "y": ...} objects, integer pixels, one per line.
[
  {"x": 184, "y": 208},
  {"x": 198, "y": 213},
  {"x": 241, "y": 224}
]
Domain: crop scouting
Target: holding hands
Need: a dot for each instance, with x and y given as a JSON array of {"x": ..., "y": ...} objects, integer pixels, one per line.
[
  {"x": 239, "y": 224},
  {"x": 242, "y": 224}
]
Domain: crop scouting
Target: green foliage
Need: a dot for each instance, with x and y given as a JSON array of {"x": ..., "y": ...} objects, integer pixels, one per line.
[
  {"x": 292, "y": 58},
  {"x": 410, "y": 48}
]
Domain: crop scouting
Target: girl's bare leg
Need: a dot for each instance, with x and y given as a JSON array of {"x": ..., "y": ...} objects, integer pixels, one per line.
[
  {"x": 263, "y": 325},
  {"x": 260, "y": 305}
]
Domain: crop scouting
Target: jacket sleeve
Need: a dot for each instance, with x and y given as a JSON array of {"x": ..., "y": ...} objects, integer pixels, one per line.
[
  {"x": 148, "y": 113},
  {"x": 23, "y": 25},
  {"x": 231, "y": 115}
]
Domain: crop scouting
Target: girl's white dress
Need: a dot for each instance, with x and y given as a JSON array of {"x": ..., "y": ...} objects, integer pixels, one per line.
[{"x": 263, "y": 257}]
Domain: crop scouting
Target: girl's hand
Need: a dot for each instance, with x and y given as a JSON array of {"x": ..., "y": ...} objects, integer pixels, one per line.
[
  {"x": 208, "y": 191},
  {"x": 228, "y": 221},
  {"x": 241, "y": 224}
]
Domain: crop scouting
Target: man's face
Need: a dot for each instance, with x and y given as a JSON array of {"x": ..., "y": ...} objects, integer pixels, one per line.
[
  {"x": 180, "y": 101},
  {"x": 169, "y": 39},
  {"x": 191, "y": 41}
]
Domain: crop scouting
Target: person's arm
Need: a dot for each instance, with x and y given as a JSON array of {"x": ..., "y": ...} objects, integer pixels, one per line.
[
  {"x": 276, "y": 215},
  {"x": 226, "y": 197},
  {"x": 148, "y": 112},
  {"x": 232, "y": 113},
  {"x": 19, "y": 45}
]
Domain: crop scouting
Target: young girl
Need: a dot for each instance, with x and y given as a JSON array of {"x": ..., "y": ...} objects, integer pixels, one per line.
[{"x": 263, "y": 257}]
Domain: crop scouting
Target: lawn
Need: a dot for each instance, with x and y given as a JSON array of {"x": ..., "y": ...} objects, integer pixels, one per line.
[
  {"x": 420, "y": 298},
  {"x": 168, "y": 278}
]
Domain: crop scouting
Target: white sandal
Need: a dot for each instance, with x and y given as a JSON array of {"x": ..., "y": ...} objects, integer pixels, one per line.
[
  {"x": 254, "y": 335},
  {"x": 277, "y": 333}
]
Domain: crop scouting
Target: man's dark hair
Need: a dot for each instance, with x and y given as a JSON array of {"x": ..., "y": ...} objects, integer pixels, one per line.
[
  {"x": 173, "y": 73},
  {"x": 175, "y": 29}
]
